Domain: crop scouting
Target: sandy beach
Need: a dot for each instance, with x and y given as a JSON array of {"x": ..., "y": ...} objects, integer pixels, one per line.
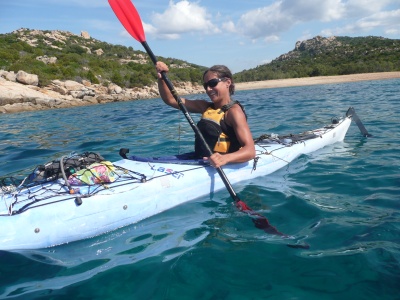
[
  {"x": 17, "y": 97},
  {"x": 314, "y": 80}
]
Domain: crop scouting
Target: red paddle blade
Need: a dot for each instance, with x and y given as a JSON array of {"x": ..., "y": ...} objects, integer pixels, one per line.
[
  {"x": 129, "y": 18},
  {"x": 259, "y": 221}
]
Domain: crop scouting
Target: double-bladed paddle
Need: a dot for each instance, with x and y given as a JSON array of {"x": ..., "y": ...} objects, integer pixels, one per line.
[{"x": 130, "y": 19}]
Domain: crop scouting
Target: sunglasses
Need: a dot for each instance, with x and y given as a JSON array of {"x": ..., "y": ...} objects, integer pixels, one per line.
[{"x": 212, "y": 82}]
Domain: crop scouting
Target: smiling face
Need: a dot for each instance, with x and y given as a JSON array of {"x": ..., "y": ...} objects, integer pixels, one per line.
[{"x": 219, "y": 94}]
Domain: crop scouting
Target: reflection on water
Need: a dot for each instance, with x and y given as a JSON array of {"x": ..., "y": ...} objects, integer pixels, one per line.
[{"x": 341, "y": 201}]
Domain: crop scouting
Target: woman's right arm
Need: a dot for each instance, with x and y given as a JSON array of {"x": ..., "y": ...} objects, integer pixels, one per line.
[
  {"x": 165, "y": 93},
  {"x": 194, "y": 106}
]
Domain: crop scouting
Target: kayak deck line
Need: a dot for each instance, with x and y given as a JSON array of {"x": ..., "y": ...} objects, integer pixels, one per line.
[{"x": 44, "y": 213}]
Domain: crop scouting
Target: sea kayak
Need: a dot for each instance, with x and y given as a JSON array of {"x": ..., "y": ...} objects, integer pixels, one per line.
[{"x": 81, "y": 196}]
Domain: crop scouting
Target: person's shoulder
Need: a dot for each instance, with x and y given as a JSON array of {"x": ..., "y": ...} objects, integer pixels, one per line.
[
  {"x": 197, "y": 105},
  {"x": 235, "y": 114},
  {"x": 237, "y": 108}
]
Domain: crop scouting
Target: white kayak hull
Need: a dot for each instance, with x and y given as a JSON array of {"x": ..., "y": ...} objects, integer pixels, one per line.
[{"x": 56, "y": 218}]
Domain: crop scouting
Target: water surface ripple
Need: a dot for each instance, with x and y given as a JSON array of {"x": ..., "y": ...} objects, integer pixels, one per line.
[{"x": 343, "y": 201}]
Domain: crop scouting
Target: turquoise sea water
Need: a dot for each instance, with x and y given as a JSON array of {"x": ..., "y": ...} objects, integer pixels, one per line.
[{"x": 344, "y": 201}]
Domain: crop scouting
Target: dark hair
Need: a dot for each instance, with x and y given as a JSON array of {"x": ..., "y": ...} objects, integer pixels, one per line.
[{"x": 222, "y": 71}]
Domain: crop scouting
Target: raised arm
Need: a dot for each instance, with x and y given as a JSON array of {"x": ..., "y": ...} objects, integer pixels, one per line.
[{"x": 194, "y": 106}]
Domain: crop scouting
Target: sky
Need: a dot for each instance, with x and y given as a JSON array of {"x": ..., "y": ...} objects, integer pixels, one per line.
[{"x": 240, "y": 34}]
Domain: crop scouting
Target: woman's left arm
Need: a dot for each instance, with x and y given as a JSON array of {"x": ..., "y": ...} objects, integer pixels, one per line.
[{"x": 236, "y": 118}]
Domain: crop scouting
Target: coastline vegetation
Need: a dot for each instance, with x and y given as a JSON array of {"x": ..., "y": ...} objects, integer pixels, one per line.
[
  {"x": 328, "y": 57},
  {"x": 77, "y": 58}
]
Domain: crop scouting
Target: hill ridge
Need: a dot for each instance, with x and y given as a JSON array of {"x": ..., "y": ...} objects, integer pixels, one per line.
[
  {"x": 335, "y": 55},
  {"x": 77, "y": 57}
]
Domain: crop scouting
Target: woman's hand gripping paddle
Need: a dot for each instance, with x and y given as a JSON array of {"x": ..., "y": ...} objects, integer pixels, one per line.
[{"x": 130, "y": 19}]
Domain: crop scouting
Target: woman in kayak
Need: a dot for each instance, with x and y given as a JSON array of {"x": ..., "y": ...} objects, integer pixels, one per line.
[{"x": 223, "y": 124}]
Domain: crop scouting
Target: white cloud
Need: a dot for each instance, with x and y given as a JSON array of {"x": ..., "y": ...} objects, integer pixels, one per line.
[
  {"x": 360, "y": 8},
  {"x": 388, "y": 21},
  {"x": 148, "y": 28},
  {"x": 381, "y": 19},
  {"x": 282, "y": 15},
  {"x": 392, "y": 31},
  {"x": 182, "y": 17},
  {"x": 307, "y": 10},
  {"x": 265, "y": 21},
  {"x": 272, "y": 39},
  {"x": 229, "y": 26}
]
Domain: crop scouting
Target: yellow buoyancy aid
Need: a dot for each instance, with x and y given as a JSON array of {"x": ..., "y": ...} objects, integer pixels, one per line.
[
  {"x": 216, "y": 115},
  {"x": 219, "y": 136}
]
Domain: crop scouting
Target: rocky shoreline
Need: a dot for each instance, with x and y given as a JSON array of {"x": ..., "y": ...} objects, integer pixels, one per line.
[{"x": 20, "y": 92}]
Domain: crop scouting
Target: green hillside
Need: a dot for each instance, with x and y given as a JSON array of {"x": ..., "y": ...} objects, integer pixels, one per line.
[
  {"x": 53, "y": 54},
  {"x": 330, "y": 56},
  {"x": 80, "y": 58}
]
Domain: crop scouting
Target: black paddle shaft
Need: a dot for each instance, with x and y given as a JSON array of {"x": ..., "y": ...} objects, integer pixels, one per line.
[{"x": 190, "y": 120}]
